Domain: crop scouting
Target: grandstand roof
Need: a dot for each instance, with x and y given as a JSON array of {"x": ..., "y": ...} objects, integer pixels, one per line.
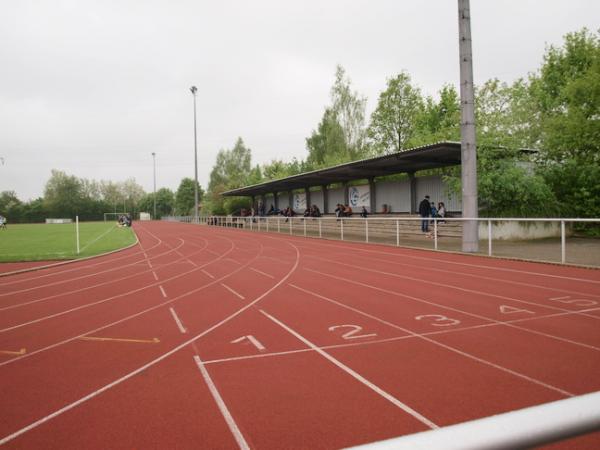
[{"x": 433, "y": 156}]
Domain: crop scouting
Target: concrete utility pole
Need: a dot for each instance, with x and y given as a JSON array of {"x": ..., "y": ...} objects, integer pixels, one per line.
[
  {"x": 194, "y": 89},
  {"x": 154, "y": 163},
  {"x": 470, "y": 240}
]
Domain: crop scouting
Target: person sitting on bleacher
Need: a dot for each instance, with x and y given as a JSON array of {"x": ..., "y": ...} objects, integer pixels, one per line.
[
  {"x": 347, "y": 211},
  {"x": 364, "y": 213},
  {"x": 315, "y": 211}
]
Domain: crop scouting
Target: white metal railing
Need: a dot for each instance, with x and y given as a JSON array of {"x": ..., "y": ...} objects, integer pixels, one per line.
[
  {"x": 524, "y": 428},
  {"x": 385, "y": 229}
]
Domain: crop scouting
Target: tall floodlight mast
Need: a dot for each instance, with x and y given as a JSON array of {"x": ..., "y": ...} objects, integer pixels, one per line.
[
  {"x": 193, "y": 89},
  {"x": 154, "y": 164},
  {"x": 470, "y": 240}
]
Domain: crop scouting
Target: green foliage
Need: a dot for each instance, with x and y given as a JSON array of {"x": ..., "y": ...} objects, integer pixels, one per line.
[
  {"x": 165, "y": 203},
  {"x": 394, "y": 121},
  {"x": 232, "y": 169},
  {"x": 576, "y": 186},
  {"x": 327, "y": 145},
  {"x": 184, "y": 197}
]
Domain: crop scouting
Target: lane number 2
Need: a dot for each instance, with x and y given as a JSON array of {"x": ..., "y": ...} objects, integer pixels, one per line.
[
  {"x": 353, "y": 333},
  {"x": 437, "y": 320}
]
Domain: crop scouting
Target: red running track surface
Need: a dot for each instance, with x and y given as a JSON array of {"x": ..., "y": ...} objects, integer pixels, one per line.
[{"x": 206, "y": 337}]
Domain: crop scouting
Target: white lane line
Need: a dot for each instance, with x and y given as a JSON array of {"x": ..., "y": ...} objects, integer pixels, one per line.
[
  {"x": 449, "y": 286},
  {"x": 99, "y": 237},
  {"x": 439, "y": 344},
  {"x": 207, "y": 274},
  {"x": 177, "y": 321},
  {"x": 460, "y": 311},
  {"x": 355, "y": 375},
  {"x": 151, "y": 363},
  {"x": 232, "y": 260},
  {"x": 155, "y": 276},
  {"x": 232, "y": 291},
  {"x": 237, "y": 434},
  {"x": 447, "y": 261},
  {"x": 164, "y": 294},
  {"x": 148, "y": 260},
  {"x": 261, "y": 272}
]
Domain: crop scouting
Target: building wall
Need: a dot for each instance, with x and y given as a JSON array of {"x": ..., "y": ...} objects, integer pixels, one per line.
[
  {"x": 334, "y": 197},
  {"x": 284, "y": 200},
  {"x": 395, "y": 194},
  {"x": 316, "y": 198},
  {"x": 437, "y": 190}
]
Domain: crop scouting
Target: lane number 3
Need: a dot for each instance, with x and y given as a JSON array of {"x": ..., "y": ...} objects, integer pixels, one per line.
[{"x": 437, "y": 320}]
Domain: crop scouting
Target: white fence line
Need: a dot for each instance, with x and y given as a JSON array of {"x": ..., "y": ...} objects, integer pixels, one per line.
[
  {"x": 524, "y": 428},
  {"x": 254, "y": 222}
]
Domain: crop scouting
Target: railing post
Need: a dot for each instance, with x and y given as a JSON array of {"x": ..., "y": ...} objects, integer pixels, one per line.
[
  {"x": 267, "y": 219},
  {"x": 397, "y": 233},
  {"x": 435, "y": 235},
  {"x": 320, "y": 234},
  {"x": 258, "y": 226},
  {"x": 563, "y": 252},
  {"x": 304, "y": 221},
  {"x": 367, "y": 230},
  {"x": 291, "y": 220},
  {"x": 252, "y": 223},
  {"x": 342, "y": 229},
  {"x": 279, "y": 224},
  {"x": 489, "y": 238}
]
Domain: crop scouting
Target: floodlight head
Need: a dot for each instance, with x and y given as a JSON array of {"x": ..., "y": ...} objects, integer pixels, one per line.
[{"x": 194, "y": 90}]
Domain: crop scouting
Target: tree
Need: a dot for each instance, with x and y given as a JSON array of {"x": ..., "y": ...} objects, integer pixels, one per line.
[
  {"x": 394, "y": 121},
  {"x": 232, "y": 169},
  {"x": 184, "y": 197},
  {"x": 63, "y": 196},
  {"x": 165, "y": 202},
  {"x": 348, "y": 109},
  {"x": 567, "y": 94},
  {"x": 327, "y": 145}
]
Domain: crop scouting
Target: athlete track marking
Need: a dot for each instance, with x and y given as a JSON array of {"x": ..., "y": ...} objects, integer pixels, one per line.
[
  {"x": 478, "y": 316},
  {"x": 237, "y": 434},
  {"x": 439, "y": 344},
  {"x": 354, "y": 374},
  {"x": 105, "y": 388}
]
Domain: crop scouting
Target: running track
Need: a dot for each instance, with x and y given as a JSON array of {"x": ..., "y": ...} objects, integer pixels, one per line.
[{"x": 205, "y": 337}]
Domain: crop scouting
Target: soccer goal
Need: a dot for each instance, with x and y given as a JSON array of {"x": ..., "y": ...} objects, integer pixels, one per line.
[{"x": 113, "y": 216}]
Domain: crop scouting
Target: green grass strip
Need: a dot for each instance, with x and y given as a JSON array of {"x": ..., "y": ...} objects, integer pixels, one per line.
[{"x": 38, "y": 242}]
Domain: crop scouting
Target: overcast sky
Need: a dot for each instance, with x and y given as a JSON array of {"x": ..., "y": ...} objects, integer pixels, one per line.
[{"x": 93, "y": 88}]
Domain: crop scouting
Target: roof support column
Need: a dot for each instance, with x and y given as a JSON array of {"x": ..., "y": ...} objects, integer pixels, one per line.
[
  {"x": 275, "y": 200},
  {"x": 372, "y": 195},
  {"x": 291, "y": 199},
  {"x": 307, "y": 190},
  {"x": 325, "y": 199},
  {"x": 346, "y": 199},
  {"x": 412, "y": 192},
  {"x": 253, "y": 198}
]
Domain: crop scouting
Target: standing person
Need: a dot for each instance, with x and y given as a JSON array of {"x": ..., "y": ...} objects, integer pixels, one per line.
[
  {"x": 363, "y": 212},
  {"x": 3, "y": 222},
  {"x": 441, "y": 211},
  {"x": 424, "y": 211}
]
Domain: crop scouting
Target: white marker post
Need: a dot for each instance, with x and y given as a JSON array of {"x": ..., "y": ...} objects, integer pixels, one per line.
[{"x": 77, "y": 232}]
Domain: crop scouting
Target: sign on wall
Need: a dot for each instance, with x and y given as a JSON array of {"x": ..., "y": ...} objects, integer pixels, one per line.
[
  {"x": 300, "y": 201},
  {"x": 359, "y": 196}
]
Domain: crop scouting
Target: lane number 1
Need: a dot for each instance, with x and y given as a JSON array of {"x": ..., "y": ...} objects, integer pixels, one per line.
[{"x": 252, "y": 340}]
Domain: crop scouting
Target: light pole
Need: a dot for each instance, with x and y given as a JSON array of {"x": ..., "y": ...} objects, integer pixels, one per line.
[
  {"x": 193, "y": 89},
  {"x": 154, "y": 164}
]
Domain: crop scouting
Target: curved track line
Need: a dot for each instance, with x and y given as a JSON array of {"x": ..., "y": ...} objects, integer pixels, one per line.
[
  {"x": 151, "y": 363},
  {"x": 63, "y": 263},
  {"x": 483, "y": 277},
  {"x": 49, "y": 347},
  {"x": 450, "y": 286},
  {"x": 344, "y": 245},
  {"x": 104, "y": 300},
  {"x": 68, "y": 280}
]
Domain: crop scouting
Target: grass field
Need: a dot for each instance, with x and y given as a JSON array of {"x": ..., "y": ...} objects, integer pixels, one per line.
[{"x": 35, "y": 242}]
